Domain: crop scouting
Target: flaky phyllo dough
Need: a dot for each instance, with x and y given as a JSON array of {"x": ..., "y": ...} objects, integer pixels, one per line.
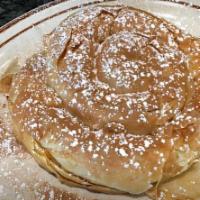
[{"x": 112, "y": 104}]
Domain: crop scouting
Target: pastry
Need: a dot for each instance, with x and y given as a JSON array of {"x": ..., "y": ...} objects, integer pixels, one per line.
[
  {"x": 183, "y": 187},
  {"x": 111, "y": 104},
  {"x": 20, "y": 176}
]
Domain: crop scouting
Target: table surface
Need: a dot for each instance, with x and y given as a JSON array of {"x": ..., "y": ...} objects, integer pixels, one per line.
[{"x": 10, "y": 9}]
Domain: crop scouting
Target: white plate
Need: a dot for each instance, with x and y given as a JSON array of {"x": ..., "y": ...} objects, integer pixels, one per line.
[{"x": 23, "y": 36}]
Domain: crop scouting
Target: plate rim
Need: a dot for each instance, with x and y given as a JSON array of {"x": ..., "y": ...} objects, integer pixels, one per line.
[{"x": 57, "y": 2}]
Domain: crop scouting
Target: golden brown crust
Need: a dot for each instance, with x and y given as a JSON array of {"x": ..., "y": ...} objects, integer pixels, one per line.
[
  {"x": 20, "y": 177},
  {"x": 186, "y": 185},
  {"x": 5, "y": 84},
  {"x": 42, "y": 155},
  {"x": 115, "y": 88},
  {"x": 182, "y": 187}
]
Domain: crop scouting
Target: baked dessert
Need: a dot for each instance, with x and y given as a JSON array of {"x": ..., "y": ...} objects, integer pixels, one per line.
[
  {"x": 21, "y": 178},
  {"x": 115, "y": 90},
  {"x": 184, "y": 186}
]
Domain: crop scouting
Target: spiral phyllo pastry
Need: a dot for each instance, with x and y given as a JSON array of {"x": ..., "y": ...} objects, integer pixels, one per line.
[{"x": 111, "y": 104}]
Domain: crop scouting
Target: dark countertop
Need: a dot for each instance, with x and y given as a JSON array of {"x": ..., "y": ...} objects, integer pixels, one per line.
[{"x": 10, "y": 9}]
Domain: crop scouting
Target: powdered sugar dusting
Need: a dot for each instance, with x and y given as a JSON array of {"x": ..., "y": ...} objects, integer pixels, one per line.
[{"x": 118, "y": 86}]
